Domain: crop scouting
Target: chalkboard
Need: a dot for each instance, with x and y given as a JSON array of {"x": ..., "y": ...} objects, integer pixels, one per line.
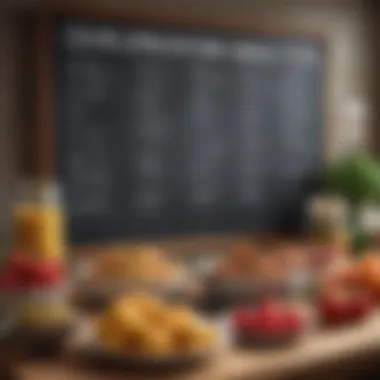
[{"x": 166, "y": 130}]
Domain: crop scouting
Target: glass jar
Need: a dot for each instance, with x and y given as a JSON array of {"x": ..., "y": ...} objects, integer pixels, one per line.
[
  {"x": 45, "y": 308},
  {"x": 45, "y": 320},
  {"x": 328, "y": 220},
  {"x": 38, "y": 221}
]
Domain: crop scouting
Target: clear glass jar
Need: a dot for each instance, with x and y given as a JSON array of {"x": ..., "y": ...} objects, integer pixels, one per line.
[
  {"x": 328, "y": 219},
  {"x": 38, "y": 220},
  {"x": 45, "y": 307}
]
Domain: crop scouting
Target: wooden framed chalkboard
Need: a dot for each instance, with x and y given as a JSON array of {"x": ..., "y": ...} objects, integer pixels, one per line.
[{"x": 161, "y": 126}]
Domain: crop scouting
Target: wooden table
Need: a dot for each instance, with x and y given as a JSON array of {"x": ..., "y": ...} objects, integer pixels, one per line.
[{"x": 320, "y": 348}]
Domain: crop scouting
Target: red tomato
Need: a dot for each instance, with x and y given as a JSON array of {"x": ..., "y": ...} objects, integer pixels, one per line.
[
  {"x": 47, "y": 273},
  {"x": 332, "y": 309},
  {"x": 20, "y": 264},
  {"x": 9, "y": 281}
]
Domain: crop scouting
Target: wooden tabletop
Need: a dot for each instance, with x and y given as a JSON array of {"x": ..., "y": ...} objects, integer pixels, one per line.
[{"x": 317, "y": 349}]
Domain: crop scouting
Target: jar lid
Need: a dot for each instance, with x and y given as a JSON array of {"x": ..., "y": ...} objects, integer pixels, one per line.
[{"x": 38, "y": 190}]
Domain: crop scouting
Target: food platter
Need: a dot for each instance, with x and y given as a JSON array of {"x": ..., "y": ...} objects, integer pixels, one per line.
[
  {"x": 93, "y": 349},
  {"x": 145, "y": 331}
]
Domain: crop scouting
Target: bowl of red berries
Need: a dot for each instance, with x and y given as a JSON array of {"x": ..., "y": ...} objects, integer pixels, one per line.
[
  {"x": 270, "y": 323},
  {"x": 341, "y": 304}
]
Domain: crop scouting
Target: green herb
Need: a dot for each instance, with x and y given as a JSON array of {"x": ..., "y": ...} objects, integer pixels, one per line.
[{"x": 356, "y": 178}]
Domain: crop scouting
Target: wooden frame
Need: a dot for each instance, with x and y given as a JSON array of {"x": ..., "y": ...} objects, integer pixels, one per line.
[{"x": 44, "y": 73}]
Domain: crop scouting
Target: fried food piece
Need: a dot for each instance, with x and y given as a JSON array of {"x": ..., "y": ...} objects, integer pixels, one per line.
[
  {"x": 109, "y": 333},
  {"x": 143, "y": 325},
  {"x": 242, "y": 261},
  {"x": 157, "y": 342},
  {"x": 127, "y": 318},
  {"x": 143, "y": 263},
  {"x": 109, "y": 265},
  {"x": 192, "y": 336}
]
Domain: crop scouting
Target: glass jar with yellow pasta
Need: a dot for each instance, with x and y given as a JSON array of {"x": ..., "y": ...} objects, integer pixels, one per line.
[{"x": 38, "y": 222}]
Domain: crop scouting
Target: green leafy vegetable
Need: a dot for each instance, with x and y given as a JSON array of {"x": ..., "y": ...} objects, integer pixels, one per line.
[{"x": 356, "y": 177}]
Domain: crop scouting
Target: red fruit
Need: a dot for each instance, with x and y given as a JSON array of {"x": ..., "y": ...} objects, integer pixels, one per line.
[
  {"x": 242, "y": 318},
  {"x": 273, "y": 325},
  {"x": 47, "y": 273},
  {"x": 255, "y": 322},
  {"x": 269, "y": 319},
  {"x": 36, "y": 273},
  {"x": 346, "y": 306},
  {"x": 269, "y": 308},
  {"x": 20, "y": 264},
  {"x": 293, "y": 321},
  {"x": 332, "y": 309},
  {"x": 9, "y": 281},
  {"x": 360, "y": 305}
]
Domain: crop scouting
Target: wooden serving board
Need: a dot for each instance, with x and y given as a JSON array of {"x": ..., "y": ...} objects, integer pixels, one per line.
[{"x": 318, "y": 349}]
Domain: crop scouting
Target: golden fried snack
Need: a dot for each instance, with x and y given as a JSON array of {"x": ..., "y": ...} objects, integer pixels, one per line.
[
  {"x": 206, "y": 335},
  {"x": 142, "y": 301},
  {"x": 151, "y": 264},
  {"x": 179, "y": 317},
  {"x": 181, "y": 313},
  {"x": 157, "y": 342},
  {"x": 127, "y": 318},
  {"x": 272, "y": 267},
  {"x": 154, "y": 311},
  {"x": 109, "y": 265},
  {"x": 191, "y": 337},
  {"x": 242, "y": 261},
  {"x": 144, "y": 263},
  {"x": 110, "y": 334},
  {"x": 143, "y": 325}
]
